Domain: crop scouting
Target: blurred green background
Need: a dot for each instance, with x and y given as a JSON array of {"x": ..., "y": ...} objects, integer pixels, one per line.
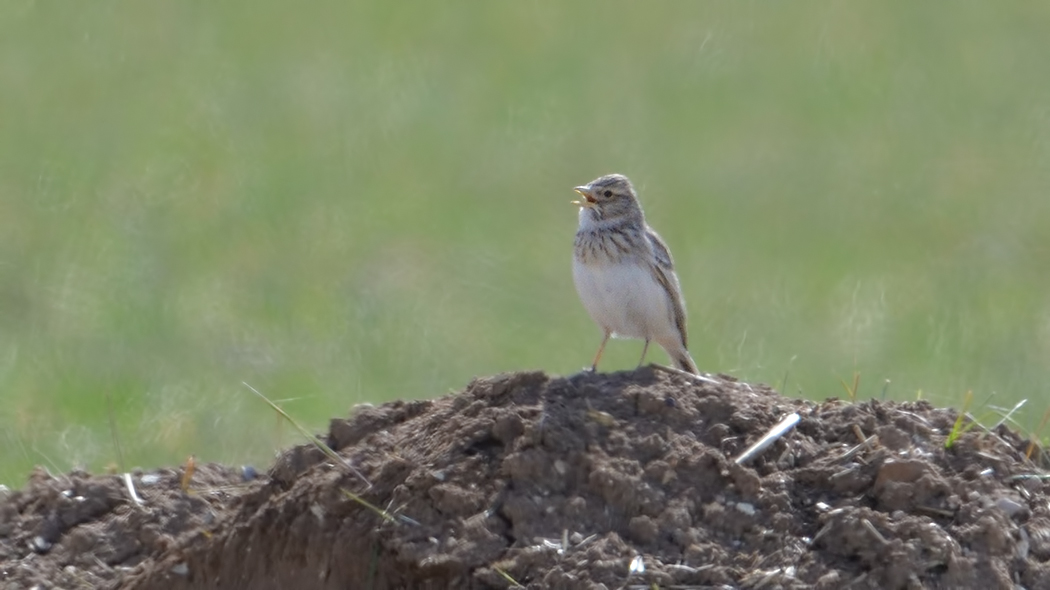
[{"x": 345, "y": 202}]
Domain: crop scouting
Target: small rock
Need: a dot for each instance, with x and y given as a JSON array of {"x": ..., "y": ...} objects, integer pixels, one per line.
[
  {"x": 1009, "y": 506},
  {"x": 40, "y": 544},
  {"x": 180, "y": 569},
  {"x": 906, "y": 471}
]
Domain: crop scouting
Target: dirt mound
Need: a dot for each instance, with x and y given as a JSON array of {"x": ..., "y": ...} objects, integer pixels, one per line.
[{"x": 591, "y": 481}]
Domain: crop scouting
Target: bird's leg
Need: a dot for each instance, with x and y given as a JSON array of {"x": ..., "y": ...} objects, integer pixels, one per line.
[
  {"x": 645, "y": 349},
  {"x": 594, "y": 365}
]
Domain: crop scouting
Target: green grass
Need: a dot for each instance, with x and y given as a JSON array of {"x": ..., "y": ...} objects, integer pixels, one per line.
[{"x": 357, "y": 202}]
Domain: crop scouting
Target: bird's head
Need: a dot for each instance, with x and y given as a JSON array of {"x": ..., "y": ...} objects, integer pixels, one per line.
[{"x": 608, "y": 197}]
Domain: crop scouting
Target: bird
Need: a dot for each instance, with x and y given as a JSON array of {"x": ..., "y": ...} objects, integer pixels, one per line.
[{"x": 624, "y": 273}]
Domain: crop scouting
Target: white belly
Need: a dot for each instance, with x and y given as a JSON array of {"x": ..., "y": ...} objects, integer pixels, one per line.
[{"x": 625, "y": 299}]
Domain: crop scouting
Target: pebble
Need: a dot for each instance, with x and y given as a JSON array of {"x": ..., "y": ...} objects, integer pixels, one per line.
[
  {"x": 40, "y": 544},
  {"x": 180, "y": 569},
  {"x": 902, "y": 471},
  {"x": 746, "y": 508},
  {"x": 1009, "y": 506}
]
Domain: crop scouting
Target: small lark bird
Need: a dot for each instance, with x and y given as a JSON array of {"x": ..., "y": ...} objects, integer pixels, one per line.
[{"x": 624, "y": 273}]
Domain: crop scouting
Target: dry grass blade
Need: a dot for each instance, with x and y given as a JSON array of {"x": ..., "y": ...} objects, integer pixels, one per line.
[
  {"x": 313, "y": 439},
  {"x": 130, "y": 485},
  {"x": 1007, "y": 416},
  {"x": 852, "y": 391},
  {"x": 857, "y": 432},
  {"x": 513, "y": 583},
  {"x": 187, "y": 474},
  {"x": 1024, "y": 476},
  {"x": 867, "y": 444},
  {"x": 385, "y": 515},
  {"x": 874, "y": 531}
]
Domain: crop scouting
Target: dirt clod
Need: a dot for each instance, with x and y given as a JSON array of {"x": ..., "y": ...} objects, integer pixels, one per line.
[{"x": 588, "y": 481}]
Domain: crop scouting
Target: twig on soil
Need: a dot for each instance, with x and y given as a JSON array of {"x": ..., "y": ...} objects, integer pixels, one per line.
[
  {"x": 686, "y": 374},
  {"x": 313, "y": 439},
  {"x": 782, "y": 428}
]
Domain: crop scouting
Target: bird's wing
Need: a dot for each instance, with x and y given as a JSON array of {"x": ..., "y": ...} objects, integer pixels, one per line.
[
  {"x": 663, "y": 255},
  {"x": 664, "y": 274}
]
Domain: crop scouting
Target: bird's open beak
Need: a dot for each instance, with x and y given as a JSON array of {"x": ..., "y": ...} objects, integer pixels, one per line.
[{"x": 588, "y": 199}]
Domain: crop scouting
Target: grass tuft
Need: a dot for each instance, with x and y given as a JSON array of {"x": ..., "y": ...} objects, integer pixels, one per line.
[
  {"x": 851, "y": 391},
  {"x": 963, "y": 422}
]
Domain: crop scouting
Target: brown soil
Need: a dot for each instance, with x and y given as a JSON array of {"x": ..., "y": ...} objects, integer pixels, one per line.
[{"x": 564, "y": 483}]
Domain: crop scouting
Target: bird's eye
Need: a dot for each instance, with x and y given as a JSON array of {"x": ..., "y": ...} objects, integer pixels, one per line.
[{"x": 607, "y": 193}]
